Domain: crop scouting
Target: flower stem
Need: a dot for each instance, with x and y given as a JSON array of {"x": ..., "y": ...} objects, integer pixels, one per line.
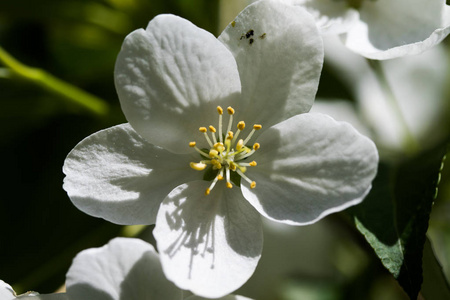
[
  {"x": 45, "y": 80},
  {"x": 409, "y": 143}
]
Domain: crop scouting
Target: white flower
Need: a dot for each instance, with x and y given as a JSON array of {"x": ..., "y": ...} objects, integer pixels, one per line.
[
  {"x": 418, "y": 83},
  {"x": 383, "y": 29},
  {"x": 125, "y": 268},
  {"x": 175, "y": 80}
]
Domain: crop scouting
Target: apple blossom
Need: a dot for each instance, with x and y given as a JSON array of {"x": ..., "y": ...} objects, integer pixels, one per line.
[
  {"x": 187, "y": 160},
  {"x": 383, "y": 29},
  {"x": 125, "y": 268}
]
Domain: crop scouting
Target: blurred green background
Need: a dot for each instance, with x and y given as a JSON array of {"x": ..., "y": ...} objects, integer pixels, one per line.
[{"x": 77, "y": 41}]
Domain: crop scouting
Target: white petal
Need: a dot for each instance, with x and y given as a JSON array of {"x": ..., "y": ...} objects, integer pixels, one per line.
[
  {"x": 279, "y": 64},
  {"x": 116, "y": 175},
  {"x": 308, "y": 167},
  {"x": 7, "y": 293},
  {"x": 56, "y": 296},
  {"x": 228, "y": 297},
  {"x": 389, "y": 29},
  {"x": 332, "y": 17},
  {"x": 170, "y": 78},
  {"x": 123, "y": 269},
  {"x": 211, "y": 244}
]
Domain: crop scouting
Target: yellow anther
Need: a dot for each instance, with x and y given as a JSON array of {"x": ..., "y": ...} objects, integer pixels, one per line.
[
  {"x": 219, "y": 147},
  {"x": 243, "y": 169},
  {"x": 220, "y": 110},
  {"x": 207, "y": 192},
  {"x": 229, "y": 185},
  {"x": 198, "y": 166},
  {"x": 230, "y": 135},
  {"x": 232, "y": 166},
  {"x": 240, "y": 144},
  {"x": 211, "y": 128},
  {"x": 241, "y": 125},
  {"x": 216, "y": 164},
  {"x": 253, "y": 164},
  {"x": 219, "y": 177},
  {"x": 252, "y": 185},
  {"x": 192, "y": 144},
  {"x": 213, "y": 153},
  {"x": 256, "y": 146},
  {"x": 257, "y": 126},
  {"x": 202, "y": 129},
  {"x": 230, "y": 110}
]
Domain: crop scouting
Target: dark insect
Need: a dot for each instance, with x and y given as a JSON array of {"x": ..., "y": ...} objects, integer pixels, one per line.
[
  {"x": 251, "y": 41},
  {"x": 249, "y": 33}
]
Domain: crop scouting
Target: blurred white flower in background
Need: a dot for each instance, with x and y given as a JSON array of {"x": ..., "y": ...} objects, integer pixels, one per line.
[
  {"x": 382, "y": 29},
  {"x": 419, "y": 85},
  {"x": 123, "y": 269}
]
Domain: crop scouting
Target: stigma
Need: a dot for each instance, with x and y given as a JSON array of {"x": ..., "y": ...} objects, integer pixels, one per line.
[{"x": 227, "y": 154}]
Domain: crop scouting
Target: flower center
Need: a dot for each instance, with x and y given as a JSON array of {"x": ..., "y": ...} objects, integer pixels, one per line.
[{"x": 226, "y": 152}]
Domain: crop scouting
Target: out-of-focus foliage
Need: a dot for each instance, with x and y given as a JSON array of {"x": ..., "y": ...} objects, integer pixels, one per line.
[{"x": 394, "y": 217}]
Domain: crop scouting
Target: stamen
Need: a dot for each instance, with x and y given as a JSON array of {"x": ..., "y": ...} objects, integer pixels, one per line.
[
  {"x": 256, "y": 146},
  {"x": 250, "y": 164},
  {"x": 230, "y": 111},
  {"x": 228, "y": 145},
  {"x": 219, "y": 147},
  {"x": 213, "y": 153},
  {"x": 241, "y": 156},
  {"x": 240, "y": 126},
  {"x": 218, "y": 177},
  {"x": 227, "y": 173},
  {"x": 255, "y": 127},
  {"x": 216, "y": 164},
  {"x": 239, "y": 145},
  {"x": 198, "y": 166},
  {"x": 212, "y": 129},
  {"x": 242, "y": 168},
  {"x": 203, "y": 129},
  {"x": 252, "y": 183},
  {"x": 193, "y": 145},
  {"x": 220, "y": 111}
]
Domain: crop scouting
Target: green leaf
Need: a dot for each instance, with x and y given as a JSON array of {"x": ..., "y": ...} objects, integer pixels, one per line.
[
  {"x": 394, "y": 216},
  {"x": 435, "y": 285}
]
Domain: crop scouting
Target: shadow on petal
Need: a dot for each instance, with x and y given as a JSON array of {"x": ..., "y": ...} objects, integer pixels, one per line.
[{"x": 208, "y": 244}]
